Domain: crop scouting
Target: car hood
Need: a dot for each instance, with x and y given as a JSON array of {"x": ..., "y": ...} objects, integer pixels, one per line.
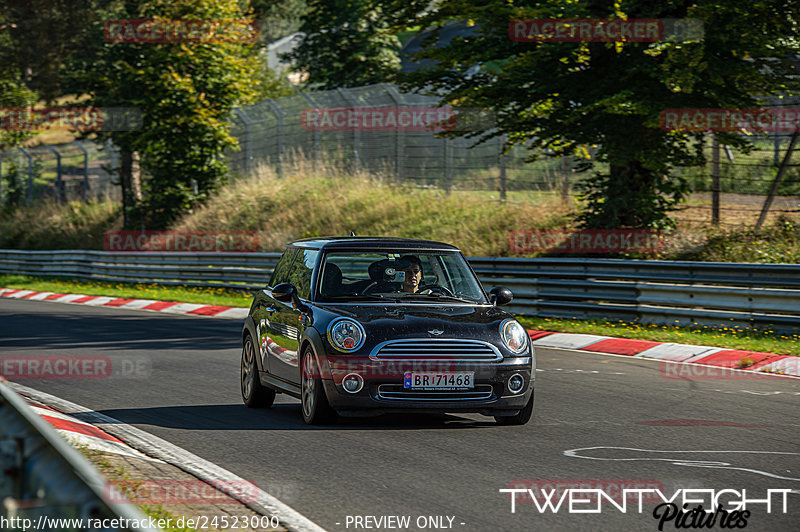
[{"x": 390, "y": 322}]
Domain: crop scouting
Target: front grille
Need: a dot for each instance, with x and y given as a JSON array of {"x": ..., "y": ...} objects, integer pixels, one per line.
[
  {"x": 424, "y": 349},
  {"x": 396, "y": 392}
]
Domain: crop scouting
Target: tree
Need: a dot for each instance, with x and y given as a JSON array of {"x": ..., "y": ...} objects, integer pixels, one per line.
[
  {"x": 347, "y": 44},
  {"x": 185, "y": 92},
  {"x": 43, "y": 34},
  {"x": 278, "y": 18},
  {"x": 566, "y": 96}
]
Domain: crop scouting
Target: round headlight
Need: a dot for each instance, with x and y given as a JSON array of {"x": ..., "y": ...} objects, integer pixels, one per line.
[
  {"x": 514, "y": 336},
  {"x": 346, "y": 334}
]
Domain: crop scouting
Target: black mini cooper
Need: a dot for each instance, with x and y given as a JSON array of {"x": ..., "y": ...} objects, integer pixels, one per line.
[{"x": 364, "y": 326}]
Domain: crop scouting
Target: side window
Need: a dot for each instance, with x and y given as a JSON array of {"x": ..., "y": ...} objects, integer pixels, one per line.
[
  {"x": 300, "y": 271},
  {"x": 281, "y": 272}
]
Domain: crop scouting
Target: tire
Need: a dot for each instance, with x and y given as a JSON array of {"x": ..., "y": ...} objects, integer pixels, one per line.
[
  {"x": 519, "y": 419},
  {"x": 313, "y": 401},
  {"x": 254, "y": 394}
]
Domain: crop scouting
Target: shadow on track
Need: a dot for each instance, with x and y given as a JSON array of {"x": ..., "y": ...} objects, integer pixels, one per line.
[
  {"x": 280, "y": 417},
  {"x": 105, "y": 329}
]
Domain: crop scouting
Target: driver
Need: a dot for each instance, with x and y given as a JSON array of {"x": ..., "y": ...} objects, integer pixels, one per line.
[{"x": 413, "y": 273}]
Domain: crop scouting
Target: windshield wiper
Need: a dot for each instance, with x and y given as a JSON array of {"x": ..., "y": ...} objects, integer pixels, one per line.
[
  {"x": 355, "y": 296},
  {"x": 439, "y": 295}
]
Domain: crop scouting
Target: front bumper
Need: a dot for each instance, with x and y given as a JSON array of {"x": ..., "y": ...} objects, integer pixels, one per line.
[{"x": 383, "y": 390}]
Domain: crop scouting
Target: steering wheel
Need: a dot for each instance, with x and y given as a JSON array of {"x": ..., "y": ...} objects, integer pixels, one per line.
[{"x": 437, "y": 289}]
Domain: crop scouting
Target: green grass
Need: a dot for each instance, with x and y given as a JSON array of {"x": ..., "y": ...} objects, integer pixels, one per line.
[
  {"x": 183, "y": 294},
  {"x": 745, "y": 339}
]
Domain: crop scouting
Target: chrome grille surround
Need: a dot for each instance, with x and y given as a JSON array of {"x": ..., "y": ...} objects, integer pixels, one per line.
[
  {"x": 435, "y": 349},
  {"x": 396, "y": 392}
]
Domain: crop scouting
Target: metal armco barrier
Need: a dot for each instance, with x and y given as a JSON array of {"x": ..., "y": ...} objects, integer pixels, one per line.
[
  {"x": 664, "y": 292},
  {"x": 46, "y": 480}
]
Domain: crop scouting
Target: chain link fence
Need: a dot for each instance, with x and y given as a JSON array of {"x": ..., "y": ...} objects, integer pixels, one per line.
[
  {"x": 273, "y": 132},
  {"x": 74, "y": 171}
]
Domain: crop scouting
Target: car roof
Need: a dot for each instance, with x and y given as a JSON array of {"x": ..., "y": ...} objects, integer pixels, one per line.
[{"x": 372, "y": 242}]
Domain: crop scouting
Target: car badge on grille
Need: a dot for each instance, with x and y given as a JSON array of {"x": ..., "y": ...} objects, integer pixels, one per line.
[{"x": 435, "y": 332}]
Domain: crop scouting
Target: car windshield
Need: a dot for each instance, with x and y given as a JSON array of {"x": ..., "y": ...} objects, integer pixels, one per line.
[{"x": 397, "y": 275}]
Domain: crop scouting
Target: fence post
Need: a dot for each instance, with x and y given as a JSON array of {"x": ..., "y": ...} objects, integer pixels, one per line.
[
  {"x": 502, "y": 156},
  {"x": 777, "y": 183},
  {"x": 248, "y": 141},
  {"x": 356, "y": 132},
  {"x": 565, "y": 167},
  {"x": 30, "y": 175},
  {"x": 715, "y": 188},
  {"x": 448, "y": 165},
  {"x": 61, "y": 192},
  {"x": 313, "y": 104},
  {"x": 85, "y": 171},
  {"x": 400, "y": 137},
  {"x": 279, "y": 114}
]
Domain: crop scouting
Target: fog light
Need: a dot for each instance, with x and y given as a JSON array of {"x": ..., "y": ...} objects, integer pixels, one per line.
[
  {"x": 352, "y": 383},
  {"x": 516, "y": 383}
]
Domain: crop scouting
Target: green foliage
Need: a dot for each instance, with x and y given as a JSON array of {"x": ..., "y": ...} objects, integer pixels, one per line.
[
  {"x": 41, "y": 37},
  {"x": 278, "y": 18},
  {"x": 568, "y": 96},
  {"x": 13, "y": 184},
  {"x": 13, "y": 91},
  {"x": 185, "y": 92},
  {"x": 347, "y": 44}
]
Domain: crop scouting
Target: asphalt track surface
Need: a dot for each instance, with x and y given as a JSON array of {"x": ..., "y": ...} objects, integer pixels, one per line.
[{"x": 600, "y": 421}]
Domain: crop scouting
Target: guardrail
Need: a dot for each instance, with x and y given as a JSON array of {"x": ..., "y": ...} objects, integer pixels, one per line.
[
  {"x": 46, "y": 480},
  {"x": 664, "y": 292}
]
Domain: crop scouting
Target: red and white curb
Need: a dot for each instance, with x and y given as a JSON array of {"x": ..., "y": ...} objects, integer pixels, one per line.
[
  {"x": 82, "y": 434},
  {"x": 170, "y": 307},
  {"x": 732, "y": 359},
  {"x": 161, "y": 450}
]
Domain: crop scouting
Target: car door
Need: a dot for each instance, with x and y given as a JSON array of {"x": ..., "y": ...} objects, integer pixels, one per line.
[
  {"x": 286, "y": 323},
  {"x": 266, "y": 306}
]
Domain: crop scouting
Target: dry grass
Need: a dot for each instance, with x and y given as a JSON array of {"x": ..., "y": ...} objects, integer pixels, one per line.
[
  {"x": 309, "y": 203},
  {"x": 49, "y": 225}
]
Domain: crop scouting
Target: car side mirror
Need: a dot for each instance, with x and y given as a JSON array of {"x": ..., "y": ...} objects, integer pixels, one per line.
[
  {"x": 500, "y": 295},
  {"x": 284, "y": 292}
]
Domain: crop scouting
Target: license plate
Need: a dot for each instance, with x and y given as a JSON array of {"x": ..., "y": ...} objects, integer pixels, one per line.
[{"x": 439, "y": 381}]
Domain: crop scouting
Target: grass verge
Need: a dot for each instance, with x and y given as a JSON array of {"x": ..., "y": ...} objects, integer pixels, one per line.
[
  {"x": 745, "y": 339},
  {"x": 182, "y": 294},
  {"x": 730, "y": 337}
]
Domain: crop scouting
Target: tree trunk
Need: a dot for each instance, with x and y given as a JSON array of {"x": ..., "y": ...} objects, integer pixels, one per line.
[{"x": 130, "y": 180}]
